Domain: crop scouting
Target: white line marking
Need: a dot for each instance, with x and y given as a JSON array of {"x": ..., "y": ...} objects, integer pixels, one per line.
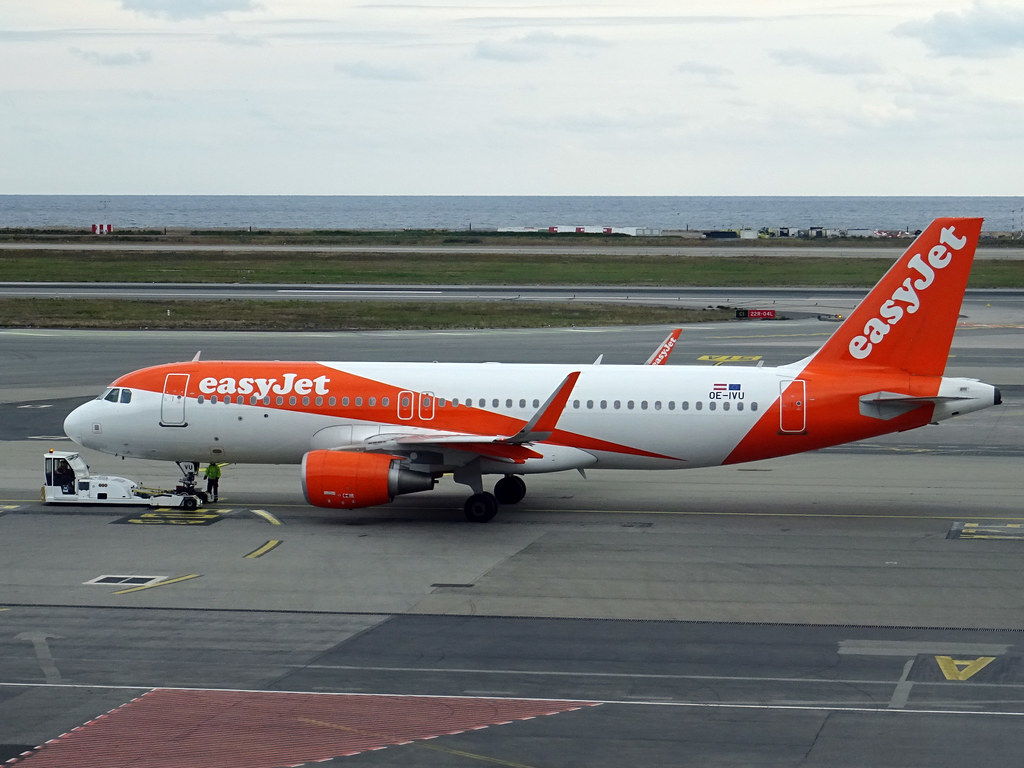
[
  {"x": 903, "y": 687},
  {"x": 760, "y": 706}
]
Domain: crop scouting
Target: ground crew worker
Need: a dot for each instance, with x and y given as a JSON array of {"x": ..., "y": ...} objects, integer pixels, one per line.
[{"x": 212, "y": 480}]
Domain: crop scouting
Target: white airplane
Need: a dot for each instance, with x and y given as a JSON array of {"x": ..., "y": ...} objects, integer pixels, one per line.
[{"x": 367, "y": 432}]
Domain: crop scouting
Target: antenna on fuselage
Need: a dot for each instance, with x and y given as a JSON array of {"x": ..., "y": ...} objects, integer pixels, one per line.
[{"x": 194, "y": 359}]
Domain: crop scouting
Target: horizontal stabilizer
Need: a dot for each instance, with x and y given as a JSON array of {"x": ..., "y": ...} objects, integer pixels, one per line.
[{"x": 889, "y": 405}]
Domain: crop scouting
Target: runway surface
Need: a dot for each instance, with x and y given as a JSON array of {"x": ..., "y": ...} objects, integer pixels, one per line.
[{"x": 854, "y": 606}]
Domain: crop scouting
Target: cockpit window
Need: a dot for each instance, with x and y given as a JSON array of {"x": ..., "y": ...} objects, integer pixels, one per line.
[
  {"x": 126, "y": 395},
  {"x": 113, "y": 395}
]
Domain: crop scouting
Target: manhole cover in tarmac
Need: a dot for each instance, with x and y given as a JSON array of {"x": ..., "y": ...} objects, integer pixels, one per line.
[{"x": 168, "y": 728}]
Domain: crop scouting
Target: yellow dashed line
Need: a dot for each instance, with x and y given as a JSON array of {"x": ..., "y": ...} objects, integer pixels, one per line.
[
  {"x": 266, "y": 516},
  {"x": 158, "y": 584},
  {"x": 262, "y": 550}
]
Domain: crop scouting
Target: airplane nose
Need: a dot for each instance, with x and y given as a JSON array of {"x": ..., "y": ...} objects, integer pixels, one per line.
[{"x": 77, "y": 424}]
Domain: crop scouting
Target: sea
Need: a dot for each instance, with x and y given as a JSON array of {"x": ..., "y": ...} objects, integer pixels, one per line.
[{"x": 464, "y": 213}]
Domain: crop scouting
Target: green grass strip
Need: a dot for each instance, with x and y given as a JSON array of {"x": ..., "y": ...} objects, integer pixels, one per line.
[{"x": 462, "y": 269}]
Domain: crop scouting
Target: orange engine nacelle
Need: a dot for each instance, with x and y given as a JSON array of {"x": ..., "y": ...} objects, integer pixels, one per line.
[{"x": 341, "y": 480}]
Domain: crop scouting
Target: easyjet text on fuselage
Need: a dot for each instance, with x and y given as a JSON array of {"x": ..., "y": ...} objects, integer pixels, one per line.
[{"x": 289, "y": 383}]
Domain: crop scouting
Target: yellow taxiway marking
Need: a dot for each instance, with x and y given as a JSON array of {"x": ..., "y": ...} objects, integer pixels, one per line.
[
  {"x": 962, "y": 669},
  {"x": 720, "y": 359},
  {"x": 266, "y": 516},
  {"x": 163, "y": 583},
  {"x": 1009, "y": 531},
  {"x": 167, "y": 516},
  {"x": 262, "y": 550}
]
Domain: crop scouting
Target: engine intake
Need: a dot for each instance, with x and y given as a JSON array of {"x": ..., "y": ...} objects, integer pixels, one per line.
[{"x": 342, "y": 480}]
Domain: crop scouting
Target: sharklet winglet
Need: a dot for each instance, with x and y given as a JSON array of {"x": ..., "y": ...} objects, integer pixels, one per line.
[{"x": 545, "y": 420}]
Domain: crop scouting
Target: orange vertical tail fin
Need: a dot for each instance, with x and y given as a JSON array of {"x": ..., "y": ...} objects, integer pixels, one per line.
[{"x": 907, "y": 320}]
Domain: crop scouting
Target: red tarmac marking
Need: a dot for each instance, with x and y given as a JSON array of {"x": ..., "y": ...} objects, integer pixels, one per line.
[{"x": 168, "y": 728}]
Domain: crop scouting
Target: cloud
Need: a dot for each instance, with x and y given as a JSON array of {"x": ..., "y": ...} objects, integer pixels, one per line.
[
  {"x": 985, "y": 30},
  {"x": 708, "y": 74},
  {"x": 510, "y": 52},
  {"x": 114, "y": 59},
  {"x": 535, "y": 46},
  {"x": 826, "y": 64},
  {"x": 187, "y": 9},
  {"x": 246, "y": 41},
  {"x": 365, "y": 70}
]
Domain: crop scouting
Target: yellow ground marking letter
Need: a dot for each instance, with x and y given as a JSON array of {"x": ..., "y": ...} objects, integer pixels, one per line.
[{"x": 962, "y": 669}]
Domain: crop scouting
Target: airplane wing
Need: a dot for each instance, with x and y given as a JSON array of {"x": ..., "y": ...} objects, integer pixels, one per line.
[
  {"x": 660, "y": 355},
  {"x": 511, "y": 448}
]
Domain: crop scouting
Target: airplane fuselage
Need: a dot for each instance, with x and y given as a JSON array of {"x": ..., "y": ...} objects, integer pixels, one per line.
[{"x": 618, "y": 417}]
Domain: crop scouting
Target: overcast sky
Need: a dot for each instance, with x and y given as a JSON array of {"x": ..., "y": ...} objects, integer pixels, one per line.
[{"x": 509, "y": 97}]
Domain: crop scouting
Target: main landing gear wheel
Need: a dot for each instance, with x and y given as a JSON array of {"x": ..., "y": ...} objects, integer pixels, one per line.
[
  {"x": 481, "y": 507},
  {"x": 510, "y": 489}
]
